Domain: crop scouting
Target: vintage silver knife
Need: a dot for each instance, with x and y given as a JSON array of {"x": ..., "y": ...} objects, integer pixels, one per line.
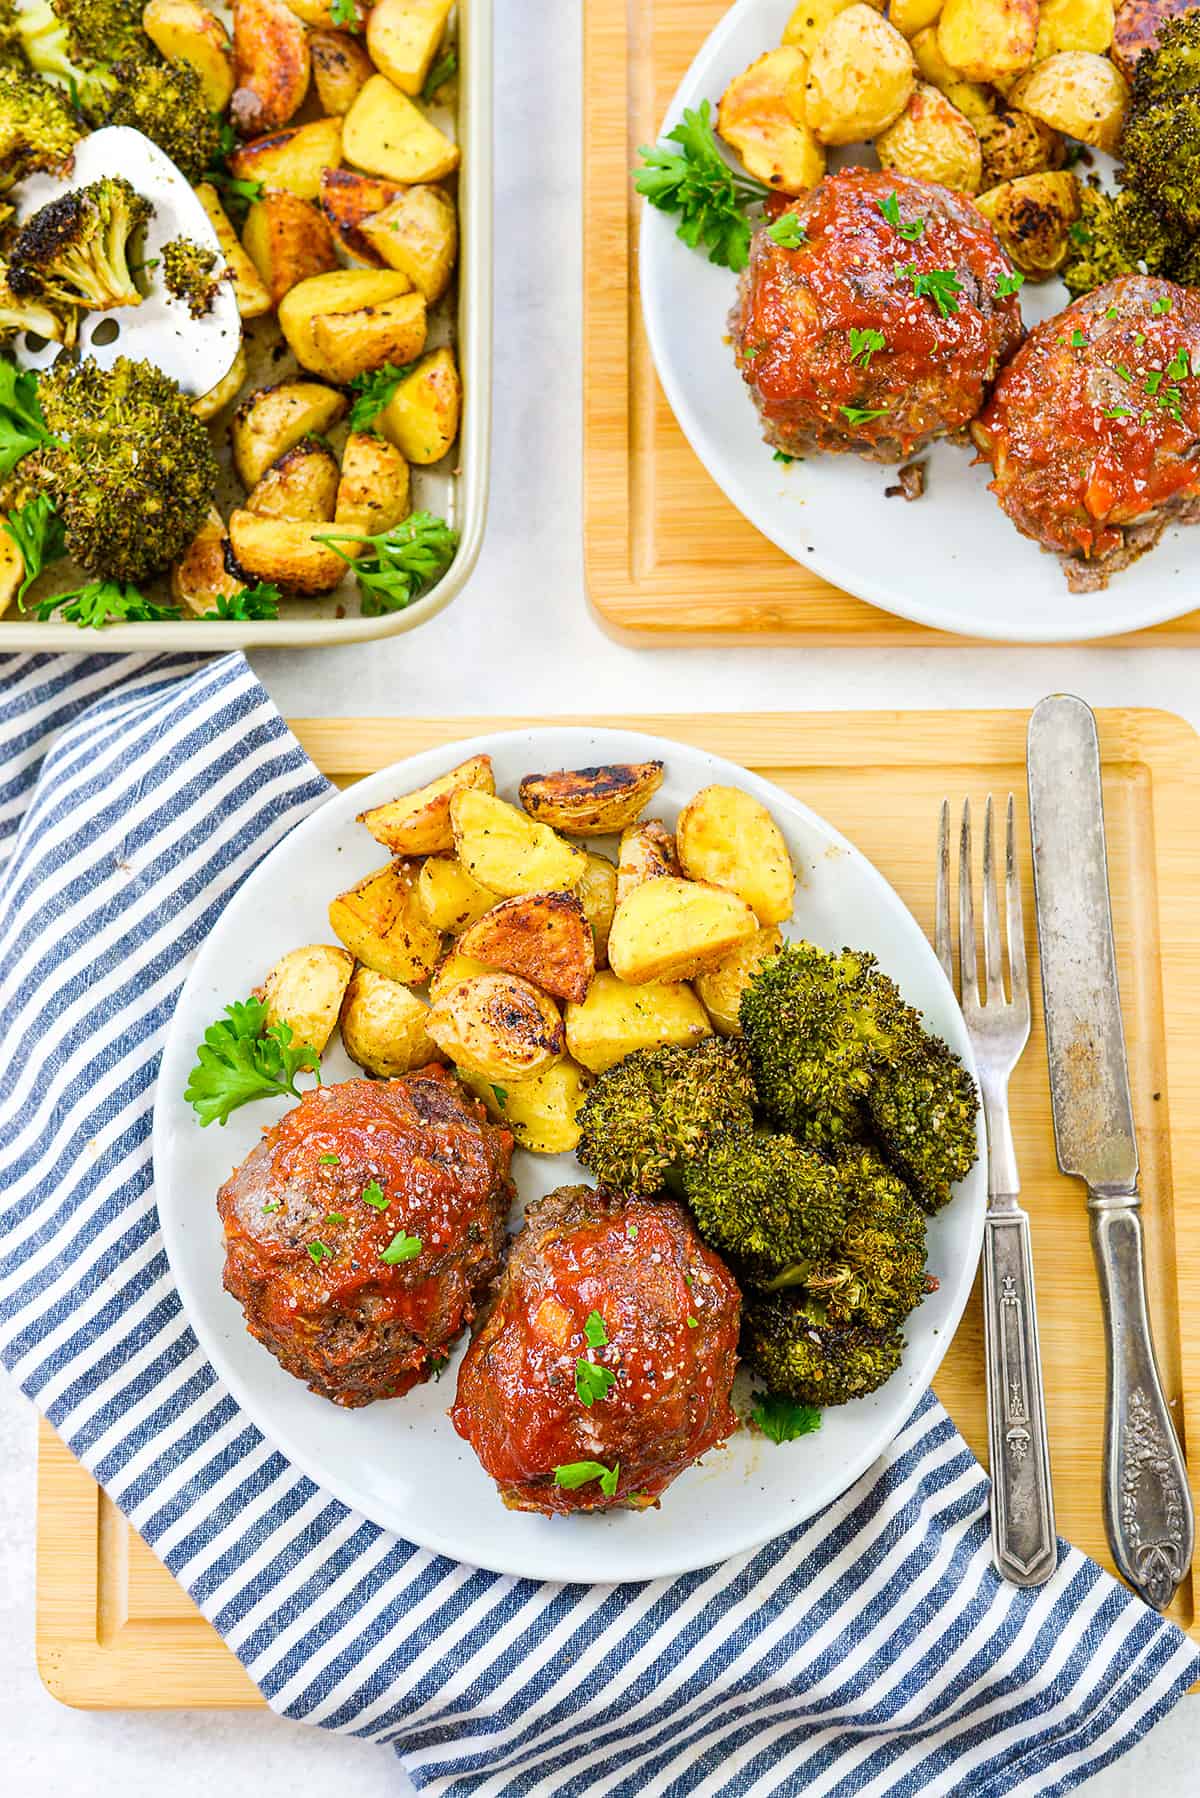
[{"x": 1147, "y": 1503}]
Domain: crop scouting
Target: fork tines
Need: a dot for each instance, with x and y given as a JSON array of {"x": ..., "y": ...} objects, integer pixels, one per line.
[{"x": 967, "y": 985}]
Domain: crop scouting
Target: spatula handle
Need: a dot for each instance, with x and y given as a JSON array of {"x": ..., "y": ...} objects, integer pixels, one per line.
[
  {"x": 1147, "y": 1503},
  {"x": 1023, "y": 1540}
]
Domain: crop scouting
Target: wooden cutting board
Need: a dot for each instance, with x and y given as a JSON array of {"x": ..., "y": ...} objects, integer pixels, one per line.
[
  {"x": 667, "y": 557},
  {"x": 113, "y": 1628}
]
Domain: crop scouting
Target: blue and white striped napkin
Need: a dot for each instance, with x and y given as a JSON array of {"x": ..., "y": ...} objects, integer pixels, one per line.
[{"x": 872, "y": 1651}]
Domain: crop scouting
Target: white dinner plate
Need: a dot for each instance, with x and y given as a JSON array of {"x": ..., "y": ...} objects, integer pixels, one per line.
[
  {"x": 400, "y": 1461},
  {"x": 951, "y": 559}
]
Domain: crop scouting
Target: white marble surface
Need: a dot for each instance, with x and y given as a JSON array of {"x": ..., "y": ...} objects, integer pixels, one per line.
[{"x": 520, "y": 638}]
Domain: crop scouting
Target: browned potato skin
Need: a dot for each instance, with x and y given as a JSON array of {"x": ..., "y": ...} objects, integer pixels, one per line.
[
  {"x": 373, "y": 492},
  {"x": 356, "y": 343},
  {"x": 591, "y": 802},
  {"x": 721, "y": 986},
  {"x": 381, "y": 922},
  {"x": 597, "y": 893},
  {"x": 497, "y": 1026},
  {"x": 386, "y": 134},
  {"x": 1078, "y": 92},
  {"x": 250, "y": 291},
  {"x": 1138, "y": 23},
  {"x": 305, "y": 989},
  {"x": 294, "y": 159},
  {"x": 347, "y": 198},
  {"x": 271, "y": 66},
  {"x": 647, "y": 852},
  {"x": 418, "y": 234},
  {"x": 988, "y": 39},
  {"x": 1014, "y": 144},
  {"x": 422, "y": 417},
  {"x": 450, "y": 898},
  {"x": 544, "y": 937},
  {"x": 271, "y": 419},
  {"x": 288, "y": 241},
  {"x": 301, "y": 484},
  {"x": 200, "y": 575},
  {"x": 419, "y": 823},
  {"x": 284, "y": 552},
  {"x": 340, "y": 66},
  {"x": 383, "y": 1026},
  {"x": 186, "y": 32},
  {"x": 1032, "y": 217},
  {"x": 340, "y": 290}
]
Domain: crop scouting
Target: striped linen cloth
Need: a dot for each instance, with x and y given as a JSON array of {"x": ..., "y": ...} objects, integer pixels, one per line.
[{"x": 871, "y": 1651}]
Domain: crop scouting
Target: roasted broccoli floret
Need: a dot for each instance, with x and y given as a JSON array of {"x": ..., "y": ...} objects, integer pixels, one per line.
[
  {"x": 76, "y": 250},
  {"x": 12, "y": 53},
  {"x": 1161, "y": 140},
  {"x": 38, "y": 129},
  {"x": 191, "y": 273},
  {"x": 658, "y": 1109},
  {"x": 1116, "y": 234},
  {"x": 134, "y": 475},
  {"x": 815, "y": 1025},
  {"x": 772, "y": 1206},
  {"x": 76, "y": 41},
  {"x": 924, "y": 1106},
  {"x": 165, "y": 101},
  {"x": 875, "y": 1273},
  {"x": 811, "y": 1359},
  {"x": 18, "y": 314}
]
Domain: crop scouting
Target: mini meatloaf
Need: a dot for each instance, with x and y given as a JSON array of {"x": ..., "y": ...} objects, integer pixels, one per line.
[
  {"x": 363, "y": 1230},
  {"x": 884, "y": 328},
  {"x": 604, "y": 1363},
  {"x": 1093, "y": 429}
]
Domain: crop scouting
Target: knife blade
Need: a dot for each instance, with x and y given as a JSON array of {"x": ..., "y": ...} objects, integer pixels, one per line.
[{"x": 1147, "y": 1501}]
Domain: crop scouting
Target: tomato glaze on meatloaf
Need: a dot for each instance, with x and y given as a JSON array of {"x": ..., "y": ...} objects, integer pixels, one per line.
[
  {"x": 1093, "y": 429},
  {"x": 885, "y": 328},
  {"x": 363, "y": 1230}
]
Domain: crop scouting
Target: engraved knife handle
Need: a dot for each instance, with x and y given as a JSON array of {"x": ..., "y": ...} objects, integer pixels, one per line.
[
  {"x": 1147, "y": 1502},
  {"x": 1023, "y": 1540}
]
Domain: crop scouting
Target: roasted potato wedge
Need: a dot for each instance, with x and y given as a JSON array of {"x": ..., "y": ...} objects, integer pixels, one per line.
[
  {"x": 423, "y": 414},
  {"x": 988, "y": 40},
  {"x": 932, "y": 141},
  {"x": 597, "y": 893},
  {"x": 347, "y": 199},
  {"x": 811, "y": 19},
  {"x": 670, "y": 929},
  {"x": 350, "y": 344},
  {"x": 451, "y": 969},
  {"x": 911, "y": 16},
  {"x": 507, "y": 851},
  {"x": 542, "y": 1112},
  {"x": 200, "y": 576},
  {"x": 543, "y": 937},
  {"x": 294, "y": 159},
  {"x": 972, "y": 100},
  {"x": 301, "y": 484},
  {"x": 187, "y": 32},
  {"x": 383, "y": 1026},
  {"x": 1082, "y": 95},
  {"x": 381, "y": 922},
  {"x": 1074, "y": 25},
  {"x": 647, "y": 852},
  {"x": 373, "y": 492},
  {"x": 340, "y": 290},
  {"x": 1032, "y": 217},
  {"x": 759, "y": 117},
  {"x": 12, "y": 571},
  {"x": 269, "y": 421},
  {"x": 387, "y": 135},
  {"x": 591, "y": 802},
  {"x": 1013, "y": 144},
  {"x": 451, "y": 898},
  {"x": 340, "y": 68},
  {"x": 721, "y": 987},
  {"x": 615, "y": 1019},
  {"x": 498, "y": 1027},
  {"x": 1136, "y": 28},
  {"x": 727, "y": 838},
  {"x": 859, "y": 79},
  {"x": 418, "y": 234},
  {"x": 305, "y": 989},
  {"x": 285, "y": 552},
  {"x": 419, "y": 823},
  {"x": 207, "y": 405},
  {"x": 288, "y": 242},
  {"x": 271, "y": 66},
  {"x": 403, "y": 37},
  {"x": 249, "y": 289}
]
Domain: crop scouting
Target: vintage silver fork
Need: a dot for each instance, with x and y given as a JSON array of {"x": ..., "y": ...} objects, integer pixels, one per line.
[{"x": 1023, "y": 1543}]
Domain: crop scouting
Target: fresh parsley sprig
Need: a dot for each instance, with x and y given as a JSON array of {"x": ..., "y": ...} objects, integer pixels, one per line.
[
  {"x": 104, "y": 602},
  {"x": 40, "y": 536},
  {"x": 941, "y": 285},
  {"x": 372, "y": 392},
  {"x": 395, "y": 567},
  {"x": 243, "y": 1058},
  {"x": 237, "y": 193},
  {"x": 865, "y": 344},
  {"x": 909, "y": 229},
  {"x": 782, "y": 1419},
  {"x": 573, "y": 1474},
  {"x": 22, "y": 425},
  {"x": 694, "y": 180},
  {"x": 443, "y": 70},
  {"x": 787, "y": 232},
  {"x": 249, "y": 603}
]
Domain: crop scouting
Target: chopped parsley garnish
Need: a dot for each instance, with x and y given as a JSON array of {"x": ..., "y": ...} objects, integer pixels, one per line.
[
  {"x": 865, "y": 344},
  {"x": 242, "y": 1059},
  {"x": 573, "y": 1474},
  {"x": 1119, "y": 412},
  {"x": 330, "y": 1161},
  {"x": 335, "y": 1217},
  {"x": 1139, "y": 337},
  {"x": 501, "y": 1096},
  {"x": 631, "y": 1232},
  {"x": 1079, "y": 340},
  {"x": 687, "y": 174},
  {"x": 693, "y": 1323},
  {"x": 1161, "y": 306},
  {"x": 941, "y": 285},
  {"x": 373, "y": 1195},
  {"x": 595, "y": 1332},
  {"x": 40, "y": 536},
  {"x": 1009, "y": 284},
  {"x": 788, "y": 232},
  {"x": 247, "y": 604},
  {"x": 890, "y": 208},
  {"x": 1177, "y": 367},
  {"x": 372, "y": 392},
  {"x": 442, "y": 71},
  {"x": 401, "y": 1248},
  {"x": 273, "y": 1205},
  {"x": 782, "y": 456},
  {"x": 1124, "y": 372},
  {"x": 319, "y": 1251},
  {"x": 861, "y": 415},
  {"x": 1154, "y": 380},
  {"x": 782, "y": 1419},
  {"x": 1111, "y": 313},
  {"x": 592, "y": 1381}
]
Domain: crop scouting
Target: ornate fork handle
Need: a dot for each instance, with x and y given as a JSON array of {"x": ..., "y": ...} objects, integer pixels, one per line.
[
  {"x": 1023, "y": 1539},
  {"x": 1147, "y": 1504}
]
